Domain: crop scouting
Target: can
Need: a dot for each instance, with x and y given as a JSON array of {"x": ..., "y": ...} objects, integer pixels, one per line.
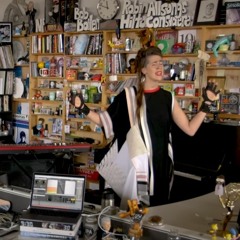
[
  {"x": 90, "y": 228},
  {"x": 128, "y": 44}
]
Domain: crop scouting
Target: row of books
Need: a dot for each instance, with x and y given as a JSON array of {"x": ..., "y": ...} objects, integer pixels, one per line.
[
  {"x": 89, "y": 44},
  {"x": 6, "y": 82},
  {"x": 116, "y": 63},
  {"x": 4, "y": 103},
  {"x": 53, "y": 43},
  {"x": 6, "y": 57}
]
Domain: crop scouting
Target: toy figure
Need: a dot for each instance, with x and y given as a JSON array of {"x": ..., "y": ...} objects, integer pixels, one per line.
[
  {"x": 54, "y": 14},
  {"x": 221, "y": 41},
  {"x": 146, "y": 38},
  {"x": 213, "y": 231},
  {"x": 136, "y": 212},
  {"x": 39, "y": 129},
  {"x": 132, "y": 67},
  {"x": 38, "y": 95},
  {"x": 23, "y": 32},
  {"x": 31, "y": 12}
]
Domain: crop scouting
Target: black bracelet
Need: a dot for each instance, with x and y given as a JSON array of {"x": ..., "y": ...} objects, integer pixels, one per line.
[
  {"x": 205, "y": 108},
  {"x": 85, "y": 109}
]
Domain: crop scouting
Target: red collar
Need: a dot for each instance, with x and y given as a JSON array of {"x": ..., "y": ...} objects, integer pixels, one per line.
[{"x": 152, "y": 90}]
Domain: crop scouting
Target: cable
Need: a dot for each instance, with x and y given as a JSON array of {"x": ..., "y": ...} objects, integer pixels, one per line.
[{"x": 100, "y": 226}]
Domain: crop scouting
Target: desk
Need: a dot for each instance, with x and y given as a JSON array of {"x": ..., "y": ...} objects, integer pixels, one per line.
[{"x": 192, "y": 218}]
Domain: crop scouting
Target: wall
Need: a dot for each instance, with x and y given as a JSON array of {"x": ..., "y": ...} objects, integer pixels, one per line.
[{"x": 89, "y": 5}]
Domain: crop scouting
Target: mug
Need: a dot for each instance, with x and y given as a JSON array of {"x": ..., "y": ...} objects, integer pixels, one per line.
[{"x": 44, "y": 72}]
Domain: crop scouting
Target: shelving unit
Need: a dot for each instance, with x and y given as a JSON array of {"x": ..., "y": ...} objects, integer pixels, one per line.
[
  {"x": 6, "y": 92},
  {"x": 83, "y": 69},
  {"x": 202, "y": 34},
  {"x": 20, "y": 102},
  {"x": 47, "y": 89}
]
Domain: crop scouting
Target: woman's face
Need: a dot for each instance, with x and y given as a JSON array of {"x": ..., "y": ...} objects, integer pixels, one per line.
[{"x": 153, "y": 70}]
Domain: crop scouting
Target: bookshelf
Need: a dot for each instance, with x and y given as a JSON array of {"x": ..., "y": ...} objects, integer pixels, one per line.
[
  {"x": 46, "y": 95},
  {"x": 6, "y": 91},
  {"x": 21, "y": 104},
  {"x": 84, "y": 71}
]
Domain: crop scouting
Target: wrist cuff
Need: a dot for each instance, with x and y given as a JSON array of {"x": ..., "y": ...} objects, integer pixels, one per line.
[
  {"x": 205, "y": 108},
  {"x": 85, "y": 109}
]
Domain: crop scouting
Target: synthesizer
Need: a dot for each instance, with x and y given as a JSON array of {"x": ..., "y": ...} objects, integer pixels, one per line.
[{"x": 44, "y": 148}]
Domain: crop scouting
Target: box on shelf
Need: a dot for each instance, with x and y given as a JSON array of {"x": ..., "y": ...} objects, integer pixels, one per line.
[
  {"x": 230, "y": 103},
  {"x": 89, "y": 173}
]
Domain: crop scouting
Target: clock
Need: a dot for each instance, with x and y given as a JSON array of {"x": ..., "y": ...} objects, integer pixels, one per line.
[{"x": 108, "y": 9}]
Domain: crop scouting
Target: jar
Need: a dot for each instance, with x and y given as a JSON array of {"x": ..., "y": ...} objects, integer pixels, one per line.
[
  {"x": 92, "y": 90},
  {"x": 90, "y": 228}
]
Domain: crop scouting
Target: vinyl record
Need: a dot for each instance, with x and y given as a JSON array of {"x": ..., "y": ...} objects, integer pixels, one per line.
[{"x": 19, "y": 88}]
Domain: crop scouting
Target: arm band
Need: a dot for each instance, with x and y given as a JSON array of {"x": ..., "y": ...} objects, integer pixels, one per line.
[{"x": 85, "y": 109}]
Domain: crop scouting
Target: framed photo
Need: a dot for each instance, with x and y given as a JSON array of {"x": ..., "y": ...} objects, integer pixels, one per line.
[
  {"x": 219, "y": 80},
  {"x": 209, "y": 45},
  {"x": 6, "y": 32},
  {"x": 232, "y": 12},
  {"x": 208, "y": 12}
]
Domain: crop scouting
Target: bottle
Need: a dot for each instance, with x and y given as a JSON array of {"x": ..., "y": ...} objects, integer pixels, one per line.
[
  {"x": 46, "y": 130},
  {"x": 90, "y": 228},
  {"x": 23, "y": 32},
  {"x": 233, "y": 43}
]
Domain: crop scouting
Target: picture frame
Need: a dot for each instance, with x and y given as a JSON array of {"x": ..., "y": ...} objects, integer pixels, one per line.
[
  {"x": 232, "y": 12},
  {"x": 208, "y": 12},
  {"x": 220, "y": 80},
  {"x": 6, "y": 32}
]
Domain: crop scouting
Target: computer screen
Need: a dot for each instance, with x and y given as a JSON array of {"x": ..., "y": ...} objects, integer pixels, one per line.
[{"x": 58, "y": 192}]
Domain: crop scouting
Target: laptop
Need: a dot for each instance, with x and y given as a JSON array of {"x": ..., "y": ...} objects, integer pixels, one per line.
[{"x": 56, "y": 197}]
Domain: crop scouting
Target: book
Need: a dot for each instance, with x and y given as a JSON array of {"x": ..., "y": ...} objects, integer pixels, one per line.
[
  {"x": 189, "y": 89},
  {"x": 165, "y": 40},
  {"x": 2, "y": 81},
  {"x": 21, "y": 130},
  {"x": 45, "y": 235},
  {"x": 6, "y": 107},
  {"x": 90, "y": 46},
  {"x": 52, "y": 228}
]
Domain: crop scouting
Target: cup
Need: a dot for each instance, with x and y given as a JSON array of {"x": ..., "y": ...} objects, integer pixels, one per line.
[{"x": 44, "y": 72}]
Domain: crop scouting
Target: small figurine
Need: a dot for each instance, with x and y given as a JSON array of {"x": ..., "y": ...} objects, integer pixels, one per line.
[
  {"x": 54, "y": 14},
  {"x": 24, "y": 32},
  {"x": 146, "y": 37},
  {"x": 17, "y": 31},
  {"x": 213, "y": 231},
  {"x": 38, "y": 95},
  {"x": 53, "y": 67},
  {"x": 221, "y": 41},
  {"x": 31, "y": 12},
  {"x": 136, "y": 212},
  {"x": 132, "y": 67},
  {"x": 86, "y": 76},
  {"x": 39, "y": 128}
]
